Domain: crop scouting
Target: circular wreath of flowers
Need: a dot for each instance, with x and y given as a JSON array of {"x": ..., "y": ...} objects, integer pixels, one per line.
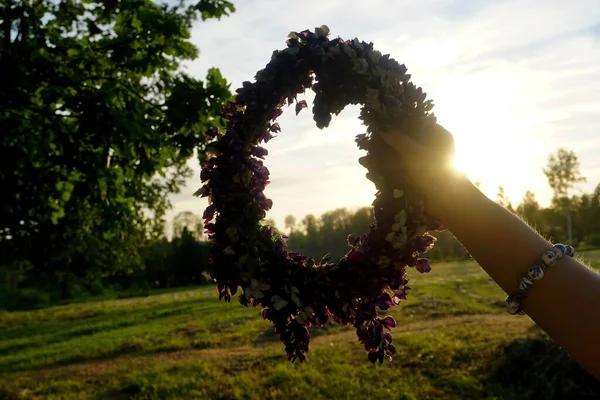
[{"x": 296, "y": 291}]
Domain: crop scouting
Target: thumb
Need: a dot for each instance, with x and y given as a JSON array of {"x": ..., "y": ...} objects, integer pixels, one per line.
[
  {"x": 434, "y": 138},
  {"x": 438, "y": 139},
  {"x": 402, "y": 144}
]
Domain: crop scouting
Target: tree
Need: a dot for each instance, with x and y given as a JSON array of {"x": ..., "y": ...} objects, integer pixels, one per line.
[
  {"x": 562, "y": 171},
  {"x": 269, "y": 222},
  {"x": 503, "y": 200},
  {"x": 290, "y": 223},
  {"x": 190, "y": 222},
  {"x": 585, "y": 211},
  {"x": 97, "y": 124},
  {"x": 529, "y": 209}
]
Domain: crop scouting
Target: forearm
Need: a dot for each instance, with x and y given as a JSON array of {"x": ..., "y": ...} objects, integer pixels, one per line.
[{"x": 565, "y": 303}]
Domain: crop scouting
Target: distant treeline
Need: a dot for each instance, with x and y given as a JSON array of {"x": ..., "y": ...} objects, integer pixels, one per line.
[
  {"x": 317, "y": 236},
  {"x": 327, "y": 234},
  {"x": 183, "y": 259}
]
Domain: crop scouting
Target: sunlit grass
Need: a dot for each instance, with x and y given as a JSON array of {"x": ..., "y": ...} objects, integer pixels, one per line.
[{"x": 187, "y": 344}]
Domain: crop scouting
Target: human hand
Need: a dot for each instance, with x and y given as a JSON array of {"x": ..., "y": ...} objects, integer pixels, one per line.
[{"x": 425, "y": 160}]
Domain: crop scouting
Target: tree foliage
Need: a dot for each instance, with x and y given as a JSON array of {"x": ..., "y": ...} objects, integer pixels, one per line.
[
  {"x": 502, "y": 199},
  {"x": 187, "y": 221},
  {"x": 97, "y": 124},
  {"x": 563, "y": 172}
]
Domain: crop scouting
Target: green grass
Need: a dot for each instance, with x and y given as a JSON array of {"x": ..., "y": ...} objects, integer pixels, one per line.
[{"x": 452, "y": 343}]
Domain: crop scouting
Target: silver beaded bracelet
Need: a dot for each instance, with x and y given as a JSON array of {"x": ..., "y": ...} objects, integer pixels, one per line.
[{"x": 535, "y": 273}]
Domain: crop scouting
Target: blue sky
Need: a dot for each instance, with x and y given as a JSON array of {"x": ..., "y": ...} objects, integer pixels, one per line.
[{"x": 512, "y": 80}]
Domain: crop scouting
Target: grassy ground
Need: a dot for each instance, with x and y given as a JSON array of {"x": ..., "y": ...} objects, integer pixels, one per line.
[{"x": 454, "y": 341}]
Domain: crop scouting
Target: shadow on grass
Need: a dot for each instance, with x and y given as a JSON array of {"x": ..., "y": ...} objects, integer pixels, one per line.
[
  {"x": 536, "y": 368},
  {"x": 6, "y": 394}
]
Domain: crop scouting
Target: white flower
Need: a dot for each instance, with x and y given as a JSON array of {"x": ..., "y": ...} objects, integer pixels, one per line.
[
  {"x": 295, "y": 297},
  {"x": 305, "y": 315},
  {"x": 401, "y": 240},
  {"x": 391, "y": 237},
  {"x": 401, "y": 217},
  {"x": 254, "y": 291},
  {"x": 278, "y": 302}
]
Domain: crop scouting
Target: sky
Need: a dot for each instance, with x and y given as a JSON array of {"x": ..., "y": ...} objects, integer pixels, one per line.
[{"x": 512, "y": 81}]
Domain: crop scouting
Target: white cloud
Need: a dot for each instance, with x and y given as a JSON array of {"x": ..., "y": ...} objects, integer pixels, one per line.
[{"x": 513, "y": 80}]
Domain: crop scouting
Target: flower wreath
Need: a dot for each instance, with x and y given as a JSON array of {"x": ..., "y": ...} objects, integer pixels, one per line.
[{"x": 294, "y": 290}]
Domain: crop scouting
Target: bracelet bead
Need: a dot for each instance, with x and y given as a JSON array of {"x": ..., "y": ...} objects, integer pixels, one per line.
[
  {"x": 512, "y": 306},
  {"x": 535, "y": 272},
  {"x": 560, "y": 249},
  {"x": 549, "y": 258},
  {"x": 570, "y": 251},
  {"x": 525, "y": 283}
]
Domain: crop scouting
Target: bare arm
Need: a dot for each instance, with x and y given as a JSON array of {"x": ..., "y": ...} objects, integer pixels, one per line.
[{"x": 565, "y": 303}]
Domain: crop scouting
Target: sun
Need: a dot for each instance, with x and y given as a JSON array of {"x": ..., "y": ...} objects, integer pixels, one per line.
[{"x": 489, "y": 133}]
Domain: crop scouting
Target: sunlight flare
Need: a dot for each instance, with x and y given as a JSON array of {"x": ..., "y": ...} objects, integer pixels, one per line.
[{"x": 490, "y": 135}]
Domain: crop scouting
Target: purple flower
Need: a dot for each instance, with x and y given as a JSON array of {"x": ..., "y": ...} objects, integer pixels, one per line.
[
  {"x": 423, "y": 265},
  {"x": 391, "y": 349},
  {"x": 204, "y": 175},
  {"x": 373, "y": 355},
  {"x": 210, "y": 228},
  {"x": 276, "y": 113},
  {"x": 265, "y": 136},
  {"x": 212, "y": 133},
  {"x": 262, "y": 173},
  {"x": 300, "y": 105},
  {"x": 352, "y": 240},
  {"x": 385, "y": 301},
  {"x": 209, "y": 213},
  {"x": 259, "y": 152},
  {"x": 424, "y": 243},
  {"x": 388, "y": 322},
  {"x": 266, "y": 313},
  {"x": 268, "y": 204},
  {"x": 275, "y": 128},
  {"x": 202, "y": 192},
  {"x": 401, "y": 292}
]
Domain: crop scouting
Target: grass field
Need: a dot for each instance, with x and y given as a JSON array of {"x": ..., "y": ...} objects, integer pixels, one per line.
[{"x": 454, "y": 341}]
